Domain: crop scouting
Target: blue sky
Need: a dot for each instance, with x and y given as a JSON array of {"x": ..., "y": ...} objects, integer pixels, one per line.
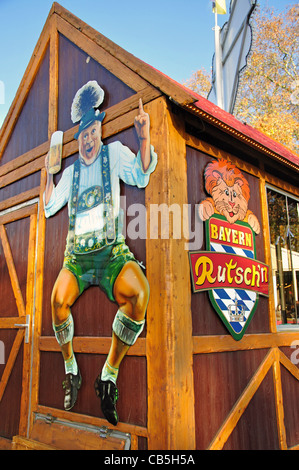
[{"x": 173, "y": 36}]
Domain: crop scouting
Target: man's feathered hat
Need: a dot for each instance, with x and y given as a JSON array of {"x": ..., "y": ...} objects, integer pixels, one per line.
[{"x": 85, "y": 103}]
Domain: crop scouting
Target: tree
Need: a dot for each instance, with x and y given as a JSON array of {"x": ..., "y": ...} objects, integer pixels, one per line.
[{"x": 268, "y": 90}]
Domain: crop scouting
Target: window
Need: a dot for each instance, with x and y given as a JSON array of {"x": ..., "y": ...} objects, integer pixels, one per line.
[{"x": 283, "y": 213}]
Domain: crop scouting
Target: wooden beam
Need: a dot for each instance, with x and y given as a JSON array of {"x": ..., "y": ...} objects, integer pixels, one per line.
[
  {"x": 9, "y": 322},
  {"x": 24, "y": 410},
  {"x": 39, "y": 281},
  {"x": 118, "y": 118},
  {"x": 19, "y": 198},
  {"x": 53, "y": 78},
  {"x": 86, "y": 419},
  {"x": 24, "y": 88},
  {"x": 267, "y": 249},
  {"x": 18, "y": 214},
  {"x": 91, "y": 345},
  {"x": 11, "y": 361},
  {"x": 285, "y": 361},
  {"x": 22, "y": 160},
  {"x": 171, "y": 422},
  {"x": 99, "y": 54},
  {"x": 132, "y": 63},
  {"x": 212, "y": 344},
  {"x": 279, "y": 402},
  {"x": 12, "y": 272},
  {"x": 241, "y": 404}
]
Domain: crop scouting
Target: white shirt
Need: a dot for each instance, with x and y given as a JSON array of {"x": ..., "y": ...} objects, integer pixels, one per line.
[{"x": 124, "y": 165}]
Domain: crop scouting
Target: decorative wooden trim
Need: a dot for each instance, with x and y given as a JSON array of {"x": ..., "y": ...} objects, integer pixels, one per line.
[
  {"x": 239, "y": 135},
  {"x": 215, "y": 152},
  {"x": 171, "y": 425},
  {"x": 280, "y": 184}
]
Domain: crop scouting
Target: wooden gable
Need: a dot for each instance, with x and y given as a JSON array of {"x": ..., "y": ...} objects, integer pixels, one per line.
[
  {"x": 68, "y": 53},
  {"x": 183, "y": 358}
]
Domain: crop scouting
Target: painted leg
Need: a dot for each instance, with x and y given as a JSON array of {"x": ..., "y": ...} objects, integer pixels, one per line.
[
  {"x": 131, "y": 292},
  {"x": 64, "y": 294}
]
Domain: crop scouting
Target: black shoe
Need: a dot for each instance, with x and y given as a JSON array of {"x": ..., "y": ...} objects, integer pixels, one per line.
[
  {"x": 71, "y": 385},
  {"x": 108, "y": 393}
]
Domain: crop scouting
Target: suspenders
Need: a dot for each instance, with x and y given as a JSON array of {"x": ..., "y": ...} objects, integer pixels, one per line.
[{"x": 93, "y": 240}]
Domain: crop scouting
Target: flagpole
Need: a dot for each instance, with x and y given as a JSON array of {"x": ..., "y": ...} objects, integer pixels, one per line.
[{"x": 218, "y": 62}]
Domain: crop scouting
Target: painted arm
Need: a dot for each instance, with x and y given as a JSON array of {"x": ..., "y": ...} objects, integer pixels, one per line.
[
  {"x": 142, "y": 126},
  {"x": 50, "y": 184}
]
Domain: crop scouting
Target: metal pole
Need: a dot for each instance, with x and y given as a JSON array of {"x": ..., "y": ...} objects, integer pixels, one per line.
[{"x": 218, "y": 62}]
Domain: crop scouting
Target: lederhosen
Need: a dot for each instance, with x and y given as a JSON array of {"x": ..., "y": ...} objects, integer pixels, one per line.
[{"x": 92, "y": 241}]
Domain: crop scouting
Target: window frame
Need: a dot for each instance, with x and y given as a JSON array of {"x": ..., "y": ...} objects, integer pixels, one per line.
[{"x": 285, "y": 326}]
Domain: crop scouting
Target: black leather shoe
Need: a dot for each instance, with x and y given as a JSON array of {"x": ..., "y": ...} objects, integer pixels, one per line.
[
  {"x": 71, "y": 385},
  {"x": 108, "y": 393}
]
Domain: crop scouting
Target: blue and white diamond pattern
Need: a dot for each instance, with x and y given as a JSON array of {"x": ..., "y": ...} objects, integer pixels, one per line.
[{"x": 237, "y": 300}]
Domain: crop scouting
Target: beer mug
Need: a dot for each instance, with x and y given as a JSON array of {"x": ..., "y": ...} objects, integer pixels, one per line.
[{"x": 55, "y": 152}]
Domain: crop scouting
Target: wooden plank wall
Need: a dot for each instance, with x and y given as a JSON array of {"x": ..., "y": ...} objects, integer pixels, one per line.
[
  {"x": 186, "y": 383},
  {"x": 93, "y": 312},
  {"x": 247, "y": 388},
  {"x": 22, "y": 178}
]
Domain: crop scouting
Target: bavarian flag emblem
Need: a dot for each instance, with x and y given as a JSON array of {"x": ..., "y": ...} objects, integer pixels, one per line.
[{"x": 228, "y": 269}]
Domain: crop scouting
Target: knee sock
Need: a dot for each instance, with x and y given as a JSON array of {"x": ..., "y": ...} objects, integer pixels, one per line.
[
  {"x": 126, "y": 329},
  {"x": 64, "y": 334},
  {"x": 70, "y": 365},
  {"x": 109, "y": 373}
]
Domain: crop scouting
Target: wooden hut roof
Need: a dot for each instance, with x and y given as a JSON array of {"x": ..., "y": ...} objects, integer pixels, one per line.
[{"x": 147, "y": 81}]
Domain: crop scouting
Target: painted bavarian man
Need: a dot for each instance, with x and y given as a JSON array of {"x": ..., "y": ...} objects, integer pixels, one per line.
[{"x": 96, "y": 253}]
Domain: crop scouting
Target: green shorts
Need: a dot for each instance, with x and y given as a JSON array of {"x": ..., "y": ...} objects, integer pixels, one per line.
[{"x": 99, "y": 268}]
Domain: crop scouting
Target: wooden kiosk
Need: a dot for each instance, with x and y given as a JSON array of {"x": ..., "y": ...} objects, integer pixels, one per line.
[{"x": 186, "y": 383}]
